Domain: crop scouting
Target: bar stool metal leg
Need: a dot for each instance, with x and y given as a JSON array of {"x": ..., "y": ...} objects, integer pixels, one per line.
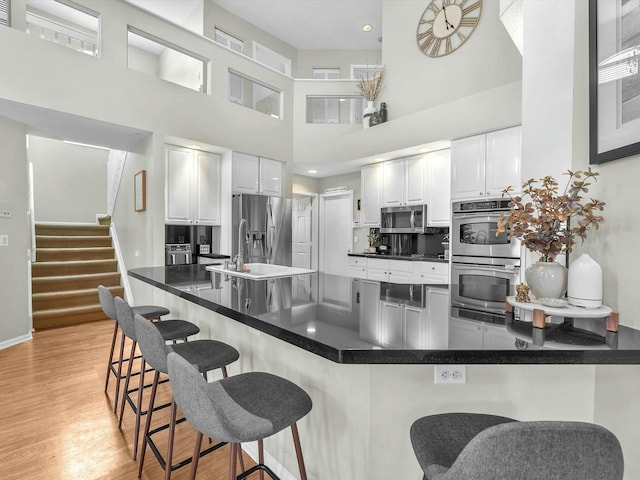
[
  {"x": 136, "y": 432},
  {"x": 119, "y": 374},
  {"x": 126, "y": 382},
  {"x": 296, "y": 444},
  {"x": 109, "y": 363}
]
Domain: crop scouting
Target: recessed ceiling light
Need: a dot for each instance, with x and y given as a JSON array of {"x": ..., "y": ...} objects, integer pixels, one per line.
[
  {"x": 312, "y": 171},
  {"x": 367, "y": 27}
]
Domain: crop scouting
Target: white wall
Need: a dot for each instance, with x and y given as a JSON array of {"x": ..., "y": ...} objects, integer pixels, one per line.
[
  {"x": 547, "y": 86},
  {"x": 416, "y": 82},
  {"x": 80, "y": 172},
  {"x": 215, "y": 16},
  {"x": 143, "y": 61},
  {"x": 15, "y": 325}
]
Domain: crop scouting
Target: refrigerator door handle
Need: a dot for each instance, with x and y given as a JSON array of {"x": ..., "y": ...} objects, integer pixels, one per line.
[{"x": 270, "y": 233}]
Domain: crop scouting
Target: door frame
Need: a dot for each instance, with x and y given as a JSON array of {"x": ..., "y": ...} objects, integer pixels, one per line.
[
  {"x": 321, "y": 229},
  {"x": 314, "y": 225}
]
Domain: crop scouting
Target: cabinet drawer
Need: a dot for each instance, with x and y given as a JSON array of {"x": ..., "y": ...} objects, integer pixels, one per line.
[
  {"x": 378, "y": 263},
  {"x": 357, "y": 262},
  {"x": 433, "y": 268},
  {"x": 401, "y": 265}
]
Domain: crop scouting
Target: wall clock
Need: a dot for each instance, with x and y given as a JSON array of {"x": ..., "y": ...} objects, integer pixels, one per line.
[{"x": 446, "y": 24}]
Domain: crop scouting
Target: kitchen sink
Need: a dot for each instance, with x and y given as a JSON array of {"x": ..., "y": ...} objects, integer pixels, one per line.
[{"x": 258, "y": 271}]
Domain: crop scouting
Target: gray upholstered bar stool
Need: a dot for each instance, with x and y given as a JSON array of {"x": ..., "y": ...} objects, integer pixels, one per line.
[
  {"x": 169, "y": 330},
  {"x": 150, "y": 312},
  {"x": 470, "y": 446},
  {"x": 242, "y": 408},
  {"x": 203, "y": 355}
]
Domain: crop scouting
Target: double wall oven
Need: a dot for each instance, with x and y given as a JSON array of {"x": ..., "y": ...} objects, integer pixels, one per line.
[{"x": 485, "y": 266}]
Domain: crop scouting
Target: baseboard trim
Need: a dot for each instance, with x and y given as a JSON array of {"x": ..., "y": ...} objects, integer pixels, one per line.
[
  {"x": 252, "y": 450},
  {"x": 15, "y": 341}
]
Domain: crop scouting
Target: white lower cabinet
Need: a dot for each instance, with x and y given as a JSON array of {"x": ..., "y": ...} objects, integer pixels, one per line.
[
  {"x": 357, "y": 267},
  {"x": 396, "y": 271},
  {"x": 473, "y": 335},
  {"x": 431, "y": 272}
]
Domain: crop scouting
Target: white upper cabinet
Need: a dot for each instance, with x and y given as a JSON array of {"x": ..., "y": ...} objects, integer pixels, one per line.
[
  {"x": 504, "y": 155},
  {"x": 257, "y": 175},
  {"x": 415, "y": 181},
  {"x": 179, "y": 171},
  {"x": 192, "y": 194},
  {"x": 403, "y": 181},
  {"x": 245, "y": 173},
  {"x": 484, "y": 165},
  {"x": 371, "y": 194},
  {"x": 393, "y": 178},
  {"x": 271, "y": 172},
  {"x": 438, "y": 188},
  {"x": 467, "y": 167},
  {"x": 207, "y": 187}
]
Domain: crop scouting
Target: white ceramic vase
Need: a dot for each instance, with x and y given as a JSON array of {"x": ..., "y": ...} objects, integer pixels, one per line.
[
  {"x": 547, "y": 279},
  {"x": 367, "y": 112}
]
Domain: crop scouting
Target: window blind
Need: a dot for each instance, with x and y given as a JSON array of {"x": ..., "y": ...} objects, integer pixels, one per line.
[{"x": 4, "y": 12}]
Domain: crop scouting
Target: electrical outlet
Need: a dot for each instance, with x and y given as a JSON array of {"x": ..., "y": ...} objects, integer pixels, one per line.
[
  {"x": 4, "y": 240},
  {"x": 450, "y": 374}
]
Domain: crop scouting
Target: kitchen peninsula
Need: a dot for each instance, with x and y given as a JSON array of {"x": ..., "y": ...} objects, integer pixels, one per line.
[
  {"x": 347, "y": 320},
  {"x": 315, "y": 330}
]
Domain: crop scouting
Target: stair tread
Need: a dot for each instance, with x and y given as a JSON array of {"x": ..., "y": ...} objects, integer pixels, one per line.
[
  {"x": 49, "y": 249},
  {"x": 79, "y": 276},
  {"x": 76, "y": 237},
  {"x": 65, "y": 262},
  {"x": 67, "y": 310},
  {"x": 69, "y": 293}
]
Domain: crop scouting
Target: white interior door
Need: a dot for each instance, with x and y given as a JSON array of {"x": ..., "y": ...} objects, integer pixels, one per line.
[
  {"x": 336, "y": 218},
  {"x": 302, "y": 242}
]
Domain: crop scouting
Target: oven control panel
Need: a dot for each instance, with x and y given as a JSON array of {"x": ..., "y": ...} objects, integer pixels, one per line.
[{"x": 481, "y": 206}]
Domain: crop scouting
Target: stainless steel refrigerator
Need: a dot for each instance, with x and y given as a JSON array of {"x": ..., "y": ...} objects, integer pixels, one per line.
[{"x": 267, "y": 236}]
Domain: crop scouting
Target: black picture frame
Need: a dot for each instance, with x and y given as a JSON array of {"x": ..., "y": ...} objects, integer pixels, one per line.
[{"x": 614, "y": 106}]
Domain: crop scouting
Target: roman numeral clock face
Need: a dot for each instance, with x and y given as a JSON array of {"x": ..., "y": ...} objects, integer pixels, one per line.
[{"x": 446, "y": 24}]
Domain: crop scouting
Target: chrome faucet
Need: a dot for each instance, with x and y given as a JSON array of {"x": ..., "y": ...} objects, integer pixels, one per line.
[{"x": 239, "y": 259}]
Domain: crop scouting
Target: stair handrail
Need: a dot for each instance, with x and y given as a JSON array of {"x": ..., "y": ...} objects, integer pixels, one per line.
[{"x": 124, "y": 278}]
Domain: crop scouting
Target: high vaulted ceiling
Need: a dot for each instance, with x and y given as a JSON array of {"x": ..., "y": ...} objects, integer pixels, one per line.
[
  {"x": 304, "y": 24},
  {"x": 314, "y": 24}
]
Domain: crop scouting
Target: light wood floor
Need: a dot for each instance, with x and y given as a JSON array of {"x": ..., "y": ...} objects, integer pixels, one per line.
[{"x": 57, "y": 423}]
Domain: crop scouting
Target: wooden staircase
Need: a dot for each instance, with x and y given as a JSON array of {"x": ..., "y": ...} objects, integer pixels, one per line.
[{"x": 71, "y": 261}]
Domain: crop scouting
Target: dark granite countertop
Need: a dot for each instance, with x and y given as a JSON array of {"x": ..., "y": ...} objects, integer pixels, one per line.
[
  {"x": 346, "y": 320},
  {"x": 425, "y": 258},
  {"x": 213, "y": 255}
]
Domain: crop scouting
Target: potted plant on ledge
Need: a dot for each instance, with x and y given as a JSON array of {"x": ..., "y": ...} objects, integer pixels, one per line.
[
  {"x": 543, "y": 225},
  {"x": 370, "y": 89}
]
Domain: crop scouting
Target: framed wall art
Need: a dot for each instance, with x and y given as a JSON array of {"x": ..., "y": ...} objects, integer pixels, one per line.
[
  {"x": 614, "y": 79},
  {"x": 140, "y": 191}
]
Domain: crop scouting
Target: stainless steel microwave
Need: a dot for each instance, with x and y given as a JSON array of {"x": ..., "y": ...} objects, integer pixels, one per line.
[{"x": 406, "y": 219}]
